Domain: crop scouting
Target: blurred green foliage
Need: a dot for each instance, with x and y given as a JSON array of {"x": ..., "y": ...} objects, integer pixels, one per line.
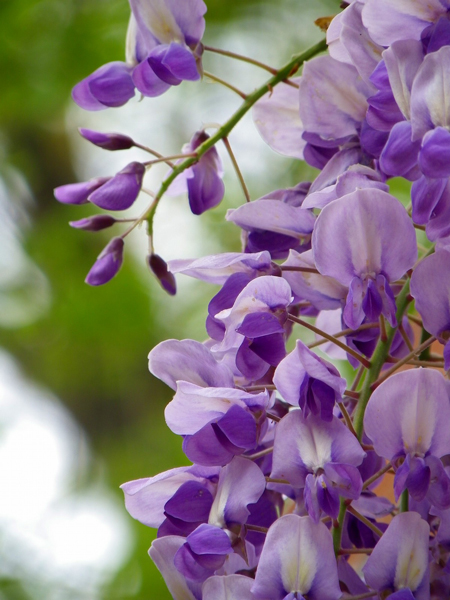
[{"x": 90, "y": 349}]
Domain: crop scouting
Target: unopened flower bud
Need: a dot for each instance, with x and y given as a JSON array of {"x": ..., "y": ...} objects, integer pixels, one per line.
[
  {"x": 94, "y": 223},
  {"x": 107, "y": 264},
  {"x": 107, "y": 141},
  {"x": 165, "y": 277},
  {"x": 77, "y": 193},
  {"x": 122, "y": 190}
]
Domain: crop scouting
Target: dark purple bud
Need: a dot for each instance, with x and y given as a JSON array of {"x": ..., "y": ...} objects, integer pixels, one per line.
[
  {"x": 107, "y": 264},
  {"x": 94, "y": 223},
  {"x": 164, "y": 276},
  {"x": 122, "y": 190},
  {"x": 107, "y": 141},
  {"x": 77, "y": 193}
]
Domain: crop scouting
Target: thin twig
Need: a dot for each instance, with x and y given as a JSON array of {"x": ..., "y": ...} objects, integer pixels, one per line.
[
  {"x": 405, "y": 337},
  {"x": 376, "y": 476},
  {"x": 345, "y": 332},
  {"x": 369, "y": 524},
  {"x": 246, "y": 59},
  {"x": 225, "y": 84},
  {"x": 167, "y": 159},
  {"x": 347, "y": 418},
  {"x": 259, "y": 454},
  {"x": 362, "y": 359},
  {"x": 237, "y": 169},
  {"x": 403, "y": 361}
]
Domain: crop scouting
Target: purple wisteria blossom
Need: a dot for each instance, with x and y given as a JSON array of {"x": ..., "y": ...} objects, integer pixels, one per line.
[
  {"x": 430, "y": 286},
  {"x": 320, "y": 458},
  {"x": 107, "y": 264},
  {"x": 398, "y": 565},
  {"x": 303, "y": 379},
  {"x": 217, "y": 423},
  {"x": 407, "y": 420},
  {"x": 365, "y": 240},
  {"x": 162, "y": 49},
  {"x": 297, "y": 560},
  {"x": 203, "y": 180},
  {"x": 255, "y": 326}
]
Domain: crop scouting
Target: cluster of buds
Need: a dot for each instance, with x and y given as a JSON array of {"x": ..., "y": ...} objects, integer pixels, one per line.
[{"x": 286, "y": 453}]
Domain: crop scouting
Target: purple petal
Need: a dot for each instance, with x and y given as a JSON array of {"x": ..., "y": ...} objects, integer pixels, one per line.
[
  {"x": 434, "y": 158},
  {"x": 78, "y": 193},
  {"x": 385, "y": 240},
  {"x": 162, "y": 552},
  {"x": 188, "y": 360},
  {"x": 147, "y": 81},
  {"x": 399, "y": 155},
  {"x": 430, "y": 92},
  {"x": 332, "y": 98},
  {"x": 347, "y": 479},
  {"x": 353, "y": 311},
  {"x": 430, "y": 286},
  {"x": 218, "y": 267},
  {"x": 204, "y": 448},
  {"x": 205, "y": 187},
  {"x": 110, "y": 85},
  {"x": 425, "y": 195},
  {"x": 238, "y": 426},
  {"x": 298, "y": 558},
  {"x": 121, "y": 191},
  {"x": 191, "y": 502},
  {"x": 241, "y": 484},
  {"x": 403, "y": 59},
  {"x": 173, "y": 63},
  {"x": 227, "y": 587},
  {"x": 273, "y": 215},
  {"x": 107, "y": 264},
  {"x": 439, "y": 489},
  {"x": 391, "y": 20},
  {"x": 278, "y": 121},
  {"x": 408, "y": 412},
  {"x": 400, "y": 558}
]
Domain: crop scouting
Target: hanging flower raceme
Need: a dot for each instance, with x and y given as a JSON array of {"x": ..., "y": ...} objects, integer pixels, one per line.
[
  {"x": 407, "y": 420},
  {"x": 163, "y": 49},
  {"x": 365, "y": 240}
]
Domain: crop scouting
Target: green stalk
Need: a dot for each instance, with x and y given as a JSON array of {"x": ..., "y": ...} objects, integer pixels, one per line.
[
  {"x": 377, "y": 361},
  {"x": 284, "y": 73}
]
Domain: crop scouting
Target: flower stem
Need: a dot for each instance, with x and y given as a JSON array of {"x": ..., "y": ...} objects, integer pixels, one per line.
[
  {"x": 225, "y": 84},
  {"x": 330, "y": 338},
  {"x": 237, "y": 169},
  {"x": 289, "y": 69},
  {"x": 377, "y": 361},
  {"x": 363, "y": 519}
]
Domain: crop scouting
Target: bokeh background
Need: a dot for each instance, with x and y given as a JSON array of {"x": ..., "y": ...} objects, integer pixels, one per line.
[{"x": 79, "y": 412}]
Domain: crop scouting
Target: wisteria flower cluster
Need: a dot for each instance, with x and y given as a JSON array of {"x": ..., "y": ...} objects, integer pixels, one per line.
[{"x": 282, "y": 494}]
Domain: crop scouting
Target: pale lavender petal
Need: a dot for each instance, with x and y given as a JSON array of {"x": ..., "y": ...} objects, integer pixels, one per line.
[
  {"x": 188, "y": 360},
  {"x": 273, "y": 215},
  {"x": 218, "y": 267},
  {"x": 403, "y": 60},
  {"x": 277, "y": 119},
  {"x": 361, "y": 50},
  {"x": 325, "y": 293},
  {"x": 430, "y": 95},
  {"x": 430, "y": 286},
  {"x": 332, "y": 98},
  {"x": 241, "y": 483},
  {"x": 162, "y": 552},
  {"x": 408, "y": 413},
  {"x": 229, "y": 587},
  {"x": 145, "y": 498},
  {"x": 120, "y": 192},
  {"x": 365, "y": 232},
  {"x": 193, "y": 407},
  {"x": 391, "y": 20},
  {"x": 297, "y": 557},
  {"x": 400, "y": 558},
  {"x": 110, "y": 85},
  {"x": 425, "y": 195},
  {"x": 337, "y": 165}
]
